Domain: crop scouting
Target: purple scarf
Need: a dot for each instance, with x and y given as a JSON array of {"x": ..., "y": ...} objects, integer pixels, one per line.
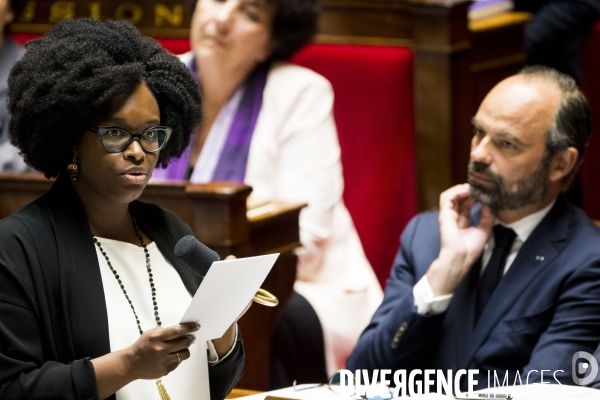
[{"x": 231, "y": 166}]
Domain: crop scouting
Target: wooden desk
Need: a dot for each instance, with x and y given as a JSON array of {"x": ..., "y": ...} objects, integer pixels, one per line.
[{"x": 218, "y": 214}]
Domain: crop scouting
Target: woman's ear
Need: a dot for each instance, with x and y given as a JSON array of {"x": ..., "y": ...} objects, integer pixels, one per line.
[
  {"x": 73, "y": 168},
  {"x": 563, "y": 163}
]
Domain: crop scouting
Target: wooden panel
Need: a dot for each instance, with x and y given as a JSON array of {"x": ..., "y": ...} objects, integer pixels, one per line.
[
  {"x": 366, "y": 19},
  {"x": 218, "y": 214},
  {"x": 235, "y": 393},
  {"x": 440, "y": 36},
  {"x": 20, "y": 189},
  {"x": 166, "y": 18}
]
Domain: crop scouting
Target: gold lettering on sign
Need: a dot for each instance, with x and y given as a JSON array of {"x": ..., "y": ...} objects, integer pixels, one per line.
[
  {"x": 129, "y": 11},
  {"x": 60, "y": 10},
  {"x": 28, "y": 13},
  {"x": 96, "y": 10},
  {"x": 162, "y": 13}
]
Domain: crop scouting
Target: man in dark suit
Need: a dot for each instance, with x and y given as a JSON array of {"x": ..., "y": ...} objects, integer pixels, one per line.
[{"x": 506, "y": 276}]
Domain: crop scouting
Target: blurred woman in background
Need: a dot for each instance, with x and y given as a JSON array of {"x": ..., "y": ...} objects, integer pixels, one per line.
[
  {"x": 10, "y": 52},
  {"x": 270, "y": 125}
]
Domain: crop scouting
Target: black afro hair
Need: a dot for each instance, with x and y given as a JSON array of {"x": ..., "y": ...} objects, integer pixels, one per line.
[{"x": 67, "y": 79}]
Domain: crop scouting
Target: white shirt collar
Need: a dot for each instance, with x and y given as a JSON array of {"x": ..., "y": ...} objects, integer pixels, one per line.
[{"x": 526, "y": 225}]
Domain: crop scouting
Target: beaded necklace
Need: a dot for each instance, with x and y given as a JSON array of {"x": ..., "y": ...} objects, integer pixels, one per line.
[{"x": 161, "y": 388}]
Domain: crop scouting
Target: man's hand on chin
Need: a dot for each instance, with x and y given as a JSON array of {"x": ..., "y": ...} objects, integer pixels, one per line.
[{"x": 461, "y": 243}]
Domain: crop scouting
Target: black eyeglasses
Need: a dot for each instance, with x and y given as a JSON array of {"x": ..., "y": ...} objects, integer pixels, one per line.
[{"x": 115, "y": 140}]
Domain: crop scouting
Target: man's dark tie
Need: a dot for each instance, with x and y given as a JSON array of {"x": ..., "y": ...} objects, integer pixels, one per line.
[{"x": 503, "y": 238}]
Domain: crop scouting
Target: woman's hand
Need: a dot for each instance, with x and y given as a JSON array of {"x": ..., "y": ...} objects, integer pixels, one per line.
[
  {"x": 152, "y": 356},
  {"x": 160, "y": 350},
  {"x": 227, "y": 341}
]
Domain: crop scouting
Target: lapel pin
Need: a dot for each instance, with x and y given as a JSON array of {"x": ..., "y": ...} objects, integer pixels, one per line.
[{"x": 539, "y": 258}]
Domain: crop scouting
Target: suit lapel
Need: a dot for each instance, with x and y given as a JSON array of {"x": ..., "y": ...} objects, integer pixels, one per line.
[
  {"x": 536, "y": 254},
  {"x": 462, "y": 308}
]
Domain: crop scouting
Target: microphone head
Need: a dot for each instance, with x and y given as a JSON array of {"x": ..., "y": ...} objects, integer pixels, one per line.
[{"x": 195, "y": 255}]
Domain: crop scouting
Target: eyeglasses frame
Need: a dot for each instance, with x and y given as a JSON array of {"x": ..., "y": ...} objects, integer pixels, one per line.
[{"x": 99, "y": 131}]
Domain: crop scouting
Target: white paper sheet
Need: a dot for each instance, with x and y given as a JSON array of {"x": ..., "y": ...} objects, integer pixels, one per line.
[{"x": 226, "y": 290}]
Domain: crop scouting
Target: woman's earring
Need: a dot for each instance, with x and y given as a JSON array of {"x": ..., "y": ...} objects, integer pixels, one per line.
[{"x": 72, "y": 168}]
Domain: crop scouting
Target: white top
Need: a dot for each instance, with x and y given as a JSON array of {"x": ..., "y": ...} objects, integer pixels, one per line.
[
  {"x": 295, "y": 156},
  {"x": 427, "y": 303},
  {"x": 190, "y": 379}
]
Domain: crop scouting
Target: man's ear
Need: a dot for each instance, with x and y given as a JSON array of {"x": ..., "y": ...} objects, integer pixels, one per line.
[{"x": 563, "y": 163}]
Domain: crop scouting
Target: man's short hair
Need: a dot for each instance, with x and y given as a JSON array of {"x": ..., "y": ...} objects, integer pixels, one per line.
[{"x": 573, "y": 125}]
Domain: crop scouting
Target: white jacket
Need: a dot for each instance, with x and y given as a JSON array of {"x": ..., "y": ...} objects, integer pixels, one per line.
[{"x": 295, "y": 156}]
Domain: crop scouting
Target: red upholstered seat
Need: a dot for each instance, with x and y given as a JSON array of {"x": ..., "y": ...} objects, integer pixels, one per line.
[
  {"x": 591, "y": 87},
  {"x": 374, "y": 113},
  {"x": 24, "y": 37},
  {"x": 174, "y": 45},
  {"x": 375, "y": 118}
]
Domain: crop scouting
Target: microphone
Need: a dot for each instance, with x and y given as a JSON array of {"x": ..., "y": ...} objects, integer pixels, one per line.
[
  {"x": 200, "y": 258},
  {"x": 195, "y": 254}
]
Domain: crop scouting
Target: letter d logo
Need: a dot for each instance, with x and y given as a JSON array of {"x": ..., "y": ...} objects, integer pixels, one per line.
[{"x": 581, "y": 369}]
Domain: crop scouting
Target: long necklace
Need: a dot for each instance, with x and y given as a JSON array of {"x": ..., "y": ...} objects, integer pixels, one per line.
[{"x": 161, "y": 388}]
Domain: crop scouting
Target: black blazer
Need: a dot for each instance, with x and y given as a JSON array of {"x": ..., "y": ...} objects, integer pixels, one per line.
[{"x": 53, "y": 316}]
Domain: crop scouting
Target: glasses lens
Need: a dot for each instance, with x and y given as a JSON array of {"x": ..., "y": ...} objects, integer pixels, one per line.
[
  {"x": 335, "y": 379},
  {"x": 154, "y": 139},
  {"x": 335, "y": 385},
  {"x": 114, "y": 139}
]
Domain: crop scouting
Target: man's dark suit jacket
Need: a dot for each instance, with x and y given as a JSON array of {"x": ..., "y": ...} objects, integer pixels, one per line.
[
  {"x": 53, "y": 316},
  {"x": 546, "y": 307}
]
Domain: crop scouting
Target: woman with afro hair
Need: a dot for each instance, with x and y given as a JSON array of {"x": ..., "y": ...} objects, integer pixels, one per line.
[
  {"x": 269, "y": 124},
  {"x": 90, "y": 290}
]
